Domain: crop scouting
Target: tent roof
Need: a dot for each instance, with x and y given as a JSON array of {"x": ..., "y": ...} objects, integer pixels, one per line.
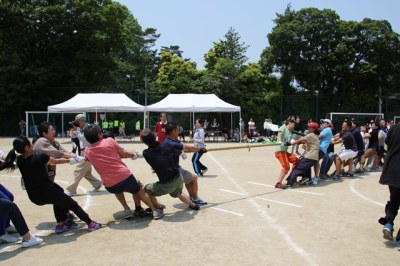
[
  {"x": 97, "y": 102},
  {"x": 197, "y": 103}
]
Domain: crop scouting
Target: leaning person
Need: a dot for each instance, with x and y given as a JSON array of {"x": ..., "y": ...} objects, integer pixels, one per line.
[
  {"x": 41, "y": 190},
  {"x": 161, "y": 158},
  {"x": 105, "y": 155}
]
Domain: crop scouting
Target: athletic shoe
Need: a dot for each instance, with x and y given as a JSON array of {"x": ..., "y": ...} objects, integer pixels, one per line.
[
  {"x": 125, "y": 214},
  {"x": 70, "y": 193},
  {"x": 398, "y": 245},
  {"x": 199, "y": 201},
  {"x": 34, "y": 240},
  {"x": 305, "y": 181},
  {"x": 94, "y": 226},
  {"x": 161, "y": 207},
  {"x": 6, "y": 238},
  {"x": 280, "y": 185},
  {"x": 388, "y": 232},
  {"x": 342, "y": 172},
  {"x": 204, "y": 171},
  {"x": 195, "y": 207},
  {"x": 158, "y": 214},
  {"x": 143, "y": 212},
  {"x": 359, "y": 171},
  {"x": 315, "y": 180},
  {"x": 11, "y": 229},
  {"x": 294, "y": 185},
  {"x": 336, "y": 177},
  {"x": 96, "y": 189},
  {"x": 68, "y": 226},
  {"x": 349, "y": 174}
]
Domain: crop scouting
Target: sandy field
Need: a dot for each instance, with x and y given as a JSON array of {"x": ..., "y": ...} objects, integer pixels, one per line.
[{"x": 246, "y": 222}]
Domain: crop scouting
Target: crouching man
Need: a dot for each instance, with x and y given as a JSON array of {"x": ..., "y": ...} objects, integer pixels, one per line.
[{"x": 161, "y": 159}]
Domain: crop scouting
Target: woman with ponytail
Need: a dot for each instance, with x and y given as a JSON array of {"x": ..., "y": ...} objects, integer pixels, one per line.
[{"x": 41, "y": 190}]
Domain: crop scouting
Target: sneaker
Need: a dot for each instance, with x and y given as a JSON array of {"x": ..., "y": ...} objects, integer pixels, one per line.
[
  {"x": 34, "y": 240},
  {"x": 304, "y": 181},
  {"x": 6, "y": 238},
  {"x": 94, "y": 226},
  {"x": 199, "y": 201},
  {"x": 349, "y": 174},
  {"x": 195, "y": 207},
  {"x": 143, "y": 212},
  {"x": 388, "y": 232},
  {"x": 158, "y": 214},
  {"x": 359, "y": 171},
  {"x": 204, "y": 171},
  {"x": 11, "y": 229},
  {"x": 315, "y": 180},
  {"x": 125, "y": 214},
  {"x": 398, "y": 245},
  {"x": 70, "y": 193},
  {"x": 294, "y": 185},
  {"x": 96, "y": 189},
  {"x": 68, "y": 226},
  {"x": 336, "y": 177},
  {"x": 161, "y": 207},
  {"x": 280, "y": 185}
]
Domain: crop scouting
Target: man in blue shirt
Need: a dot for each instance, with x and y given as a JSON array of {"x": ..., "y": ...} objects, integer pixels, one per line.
[{"x": 191, "y": 180}]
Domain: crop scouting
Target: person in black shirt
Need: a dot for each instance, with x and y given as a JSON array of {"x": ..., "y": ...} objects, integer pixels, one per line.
[
  {"x": 348, "y": 150},
  {"x": 161, "y": 158},
  {"x": 391, "y": 177},
  {"x": 373, "y": 146},
  {"x": 41, "y": 190}
]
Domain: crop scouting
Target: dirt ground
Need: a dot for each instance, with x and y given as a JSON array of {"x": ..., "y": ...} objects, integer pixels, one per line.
[{"x": 247, "y": 220}]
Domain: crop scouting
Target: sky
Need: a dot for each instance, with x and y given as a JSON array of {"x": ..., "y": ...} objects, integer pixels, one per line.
[{"x": 196, "y": 25}]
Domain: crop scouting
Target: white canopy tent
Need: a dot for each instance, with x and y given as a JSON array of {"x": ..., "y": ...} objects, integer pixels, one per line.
[
  {"x": 193, "y": 103},
  {"x": 93, "y": 102},
  {"x": 97, "y": 102}
]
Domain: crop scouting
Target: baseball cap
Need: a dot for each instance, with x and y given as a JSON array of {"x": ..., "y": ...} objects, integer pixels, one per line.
[
  {"x": 313, "y": 124},
  {"x": 80, "y": 117},
  {"x": 326, "y": 121}
]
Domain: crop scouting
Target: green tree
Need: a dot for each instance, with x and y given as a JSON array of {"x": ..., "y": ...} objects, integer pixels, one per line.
[{"x": 51, "y": 50}]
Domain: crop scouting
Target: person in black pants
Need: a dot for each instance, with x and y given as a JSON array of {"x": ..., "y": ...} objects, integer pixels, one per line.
[
  {"x": 391, "y": 176},
  {"x": 41, "y": 190},
  {"x": 10, "y": 209}
]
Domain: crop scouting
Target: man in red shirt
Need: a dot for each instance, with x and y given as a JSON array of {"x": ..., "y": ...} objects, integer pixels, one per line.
[{"x": 160, "y": 128}]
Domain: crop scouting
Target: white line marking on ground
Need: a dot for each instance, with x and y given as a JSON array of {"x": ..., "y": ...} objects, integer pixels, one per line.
[
  {"x": 280, "y": 230},
  {"x": 351, "y": 186},
  {"x": 292, "y": 190},
  {"x": 233, "y": 192},
  {"x": 222, "y": 210},
  {"x": 280, "y": 202}
]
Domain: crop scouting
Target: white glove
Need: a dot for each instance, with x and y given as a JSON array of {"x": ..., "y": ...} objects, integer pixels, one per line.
[
  {"x": 139, "y": 154},
  {"x": 79, "y": 159},
  {"x": 72, "y": 161}
]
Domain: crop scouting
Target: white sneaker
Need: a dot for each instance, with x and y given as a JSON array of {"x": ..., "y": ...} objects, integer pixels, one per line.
[
  {"x": 11, "y": 229},
  {"x": 123, "y": 214},
  {"x": 34, "y": 240},
  {"x": 6, "y": 238},
  {"x": 70, "y": 193},
  {"x": 315, "y": 180}
]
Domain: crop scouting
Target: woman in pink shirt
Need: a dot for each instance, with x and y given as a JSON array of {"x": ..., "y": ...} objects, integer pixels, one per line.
[{"x": 105, "y": 155}]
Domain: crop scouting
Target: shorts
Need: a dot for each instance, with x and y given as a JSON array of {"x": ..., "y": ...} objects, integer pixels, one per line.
[
  {"x": 129, "y": 185},
  {"x": 187, "y": 176},
  {"x": 173, "y": 188},
  {"x": 347, "y": 154}
]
